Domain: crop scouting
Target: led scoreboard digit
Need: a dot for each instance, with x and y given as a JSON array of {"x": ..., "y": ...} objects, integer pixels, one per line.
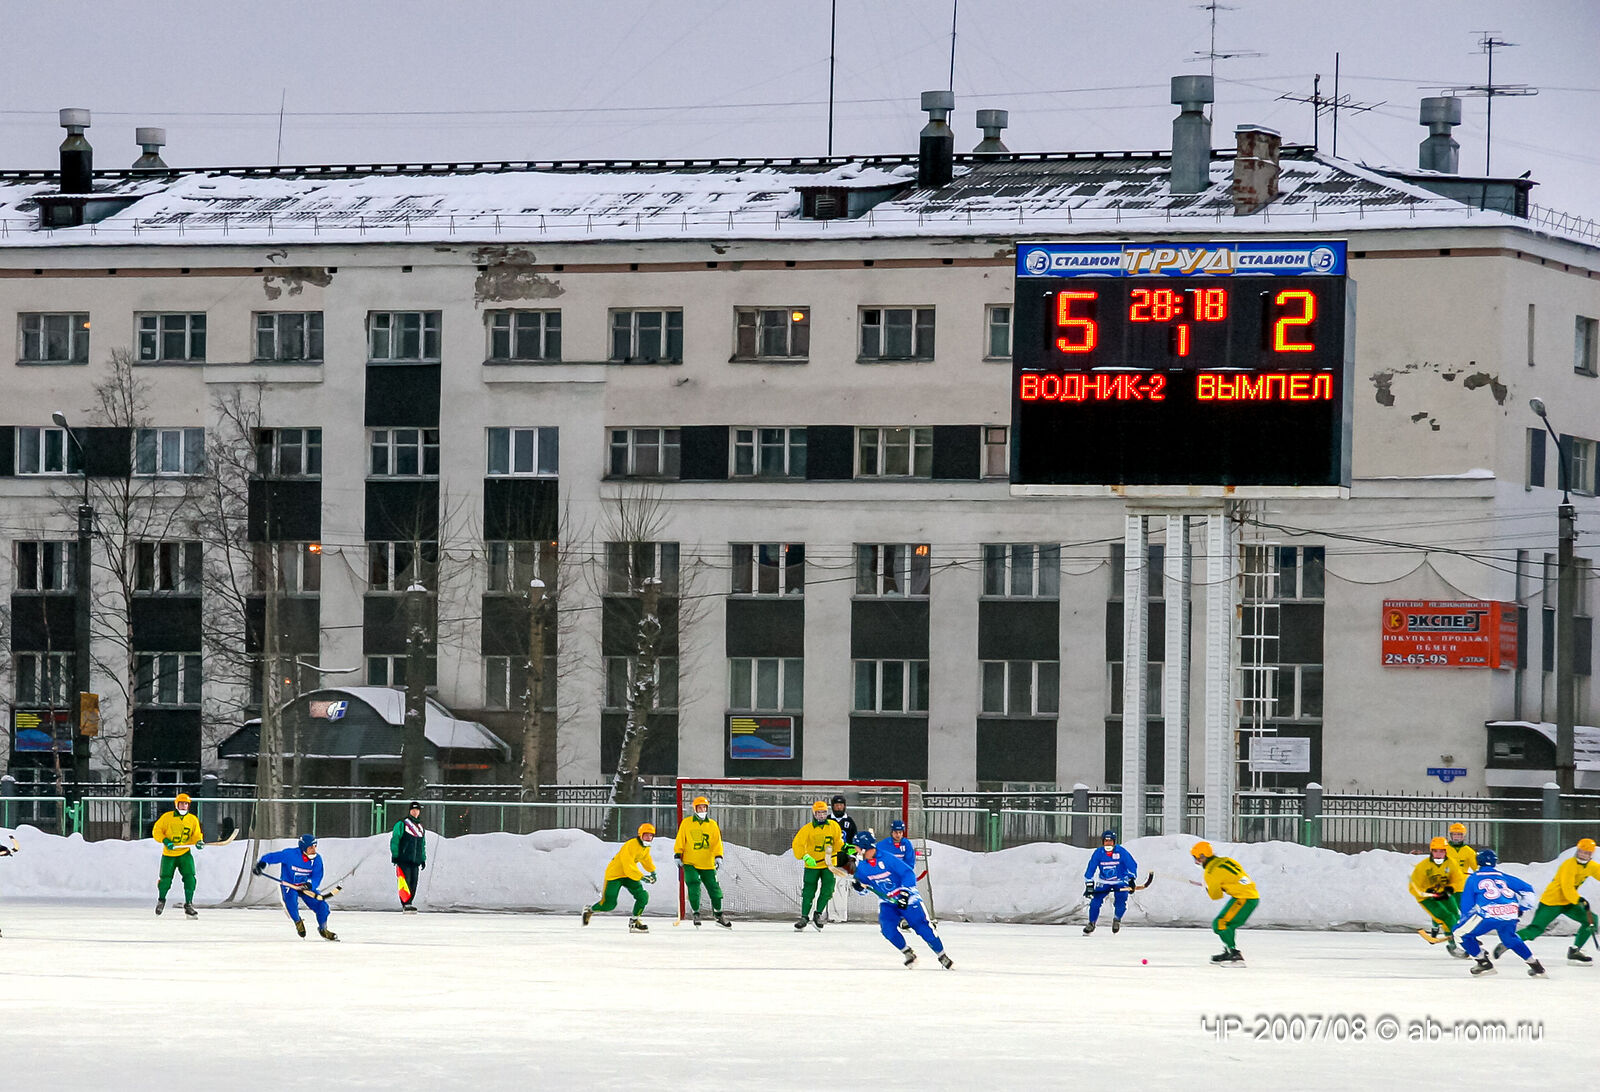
[{"x": 1209, "y": 369}]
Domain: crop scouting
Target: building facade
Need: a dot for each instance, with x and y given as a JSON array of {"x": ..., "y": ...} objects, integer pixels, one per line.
[{"x": 792, "y": 381}]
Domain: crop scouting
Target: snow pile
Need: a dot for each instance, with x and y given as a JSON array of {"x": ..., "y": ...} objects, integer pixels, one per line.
[{"x": 560, "y": 871}]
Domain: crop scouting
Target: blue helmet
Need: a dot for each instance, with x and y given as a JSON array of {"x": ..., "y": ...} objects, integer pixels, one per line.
[
  {"x": 1104, "y": 834},
  {"x": 898, "y": 824},
  {"x": 865, "y": 840},
  {"x": 1488, "y": 858},
  {"x": 307, "y": 841}
]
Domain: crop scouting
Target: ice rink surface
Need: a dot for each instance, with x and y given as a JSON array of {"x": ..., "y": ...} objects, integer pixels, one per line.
[{"x": 108, "y": 996}]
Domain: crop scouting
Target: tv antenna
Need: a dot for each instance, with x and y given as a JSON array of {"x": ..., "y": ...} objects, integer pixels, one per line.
[
  {"x": 1487, "y": 44},
  {"x": 1213, "y": 55},
  {"x": 1329, "y": 104}
]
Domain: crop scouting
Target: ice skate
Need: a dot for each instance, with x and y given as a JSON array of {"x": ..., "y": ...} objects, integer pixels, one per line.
[
  {"x": 910, "y": 954},
  {"x": 800, "y": 925},
  {"x": 1499, "y": 950},
  {"x": 1485, "y": 965},
  {"x": 328, "y": 934},
  {"x": 161, "y": 904},
  {"x": 1087, "y": 929},
  {"x": 1535, "y": 969},
  {"x": 588, "y": 912},
  {"x": 189, "y": 910},
  {"x": 945, "y": 961},
  {"x": 721, "y": 919},
  {"x": 637, "y": 926},
  {"x": 1576, "y": 955},
  {"x": 697, "y": 919},
  {"x": 300, "y": 927},
  {"x": 816, "y": 919},
  {"x": 1116, "y": 925}
]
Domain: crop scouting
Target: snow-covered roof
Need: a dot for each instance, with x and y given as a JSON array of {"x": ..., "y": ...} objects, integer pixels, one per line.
[
  {"x": 531, "y": 202},
  {"x": 344, "y": 738},
  {"x": 1585, "y": 740}
]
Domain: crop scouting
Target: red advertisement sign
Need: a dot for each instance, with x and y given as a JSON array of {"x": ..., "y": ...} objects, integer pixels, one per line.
[{"x": 1449, "y": 633}]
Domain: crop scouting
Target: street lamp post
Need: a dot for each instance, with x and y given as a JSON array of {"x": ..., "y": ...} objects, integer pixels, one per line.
[
  {"x": 81, "y": 580},
  {"x": 1566, "y": 612}
]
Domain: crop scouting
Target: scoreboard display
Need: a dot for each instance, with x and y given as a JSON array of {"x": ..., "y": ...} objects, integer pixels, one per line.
[{"x": 1218, "y": 369}]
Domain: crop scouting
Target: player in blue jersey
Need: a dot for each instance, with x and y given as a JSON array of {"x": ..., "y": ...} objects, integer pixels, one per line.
[
  {"x": 300, "y": 870},
  {"x": 1111, "y": 871},
  {"x": 893, "y": 881},
  {"x": 898, "y": 845},
  {"x": 1491, "y": 903}
]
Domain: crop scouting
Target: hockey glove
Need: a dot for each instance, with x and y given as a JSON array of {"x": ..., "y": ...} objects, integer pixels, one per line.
[
  {"x": 717, "y": 863},
  {"x": 809, "y": 861},
  {"x": 900, "y": 897},
  {"x": 649, "y": 877},
  {"x": 168, "y": 842},
  {"x": 855, "y": 885},
  {"x": 1088, "y": 890},
  {"x": 260, "y": 868}
]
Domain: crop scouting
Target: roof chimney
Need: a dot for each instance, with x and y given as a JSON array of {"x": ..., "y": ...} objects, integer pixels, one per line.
[
  {"x": 1440, "y": 152},
  {"x": 1191, "y": 134},
  {"x": 992, "y": 122},
  {"x": 1255, "y": 168},
  {"x": 152, "y": 140},
  {"x": 77, "y": 158},
  {"x": 936, "y": 153}
]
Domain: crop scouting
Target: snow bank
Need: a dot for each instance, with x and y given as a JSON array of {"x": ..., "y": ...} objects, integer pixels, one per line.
[{"x": 559, "y": 871}]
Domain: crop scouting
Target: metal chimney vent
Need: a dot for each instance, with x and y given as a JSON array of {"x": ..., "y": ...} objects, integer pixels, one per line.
[
  {"x": 77, "y": 158},
  {"x": 152, "y": 140},
  {"x": 1440, "y": 152},
  {"x": 1191, "y": 134},
  {"x": 992, "y": 122},
  {"x": 937, "y": 151}
]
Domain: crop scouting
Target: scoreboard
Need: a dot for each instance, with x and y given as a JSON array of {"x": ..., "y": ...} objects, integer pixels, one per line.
[{"x": 1192, "y": 370}]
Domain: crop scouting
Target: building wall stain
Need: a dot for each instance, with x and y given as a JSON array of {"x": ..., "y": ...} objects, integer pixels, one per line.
[
  {"x": 507, "y": 273},
  {"x": 1384, "y": 392},
  {"x": 293, "y": 280}
]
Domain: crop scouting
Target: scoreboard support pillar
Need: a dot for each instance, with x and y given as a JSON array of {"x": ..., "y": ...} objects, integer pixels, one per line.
[
  {"x": 1135, "y": 670},
  {"x": 1175, "y": 692},
  {"x": 1221, "y": 755}
]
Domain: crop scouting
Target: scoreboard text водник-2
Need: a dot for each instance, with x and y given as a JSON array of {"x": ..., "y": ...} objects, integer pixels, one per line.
[{"x": 1194, "y": 369}]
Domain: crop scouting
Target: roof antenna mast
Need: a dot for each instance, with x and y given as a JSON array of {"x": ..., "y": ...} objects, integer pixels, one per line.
[
  {"x": 1488, "y": 43},
  {"x": 1213, "y": 55},
  {"x": 955, "y": 6}
]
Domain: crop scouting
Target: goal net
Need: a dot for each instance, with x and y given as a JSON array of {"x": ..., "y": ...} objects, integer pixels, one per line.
[{"x": 760, "y": 878}]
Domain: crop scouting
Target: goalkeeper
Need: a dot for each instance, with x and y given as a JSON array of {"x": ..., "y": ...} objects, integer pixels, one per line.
[
  {"x": 815, "y": 845},
  {"x": 892, "y": 881}
]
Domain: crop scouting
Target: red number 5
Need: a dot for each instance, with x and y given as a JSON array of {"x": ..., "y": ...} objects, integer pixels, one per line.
[{"x": 1066, "y": 322}]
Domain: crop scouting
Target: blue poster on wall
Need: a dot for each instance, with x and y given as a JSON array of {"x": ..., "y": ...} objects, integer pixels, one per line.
[{"x": 769, "y": 738}]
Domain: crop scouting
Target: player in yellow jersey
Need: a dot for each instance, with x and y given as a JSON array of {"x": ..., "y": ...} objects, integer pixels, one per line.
[
  {"x": 816, "y": 845},
  {"x": 179, "y": 832},
  {"x": 1465, "y": 857},
  {"x": 630, "y": 868},
  {"x": 698, "y": 851},
  {"x": 1224, "y": 877},
  {"x": 1561, "y": 898},
  {"x": 1436, "y": 884}
]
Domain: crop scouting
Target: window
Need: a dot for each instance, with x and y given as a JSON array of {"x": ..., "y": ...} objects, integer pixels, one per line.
[
  {"x": 766, "y": 685},
  {"x": 769, "y": 569},
  {"x": 402, "y": 336},
  {"x": 896, "y": 333},
  {"x": 891, "y": 686},
  {"x": 46, "y": 566},
  {"x": 630, "y": 564},
  {"x": 166, "y": 678},
  {"x": 524, "y": 335},
  {"x": 622, "y": 672},
  {"x": 996, "y": 452},
  {"x": 405, "y": 452},
  {"x": 769, "y": 452},
  {"x": 1022, "y": 571},
  {"x": 523, "y": 452},
  {"x": 1021, "y": 688},
  {"x": 54, "y": 339},
  {"x": 391, "y": 671},
  {"x": 46, "y": 451},
  {"x": 299, "y": 567},
  {"x": 395, "y": 566},
  {"x": 1301, "y": 572},
  {"x": 169, "y": 451},
  {"x": 289, "y": 335},
  {"x": 174, "y": 337},
  {"x": 997, "y": 322},
  {"x": 1299, "y": 692},
  {"x": 772, "y": 333},
  {"x": 43, "y": 678},
  {"x": 1155, "y": 678},
  {"x": 1580, "y": 463},
  {"x": 1154, "y": 570},
  {"x": 514, "y": 565},
  {"x": 1536, "y": 457},
  {"x": 892, "y": 570},
  {"x": 167, "y": 567},
  {"x": 289, "y": 452},
  {"x": 1585, "y": 339},
  {"x": 894, "y": 452},
  {"x": 505, "y": 682},
  {"x": 644, "y": 453},
  {"x": 646, "y": 337}
]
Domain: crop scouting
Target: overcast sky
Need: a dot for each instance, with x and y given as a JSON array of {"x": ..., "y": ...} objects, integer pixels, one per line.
[{"x": 405, "y": 80}]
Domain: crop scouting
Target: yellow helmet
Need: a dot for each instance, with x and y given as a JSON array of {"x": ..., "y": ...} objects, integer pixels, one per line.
[
  {"x": 182, "y": 798},
  {"x": 1586, "y": 845},
  {"x": 1459, "y": 828},
  {"x": 1200, "y": 850},
  {"x": 647, "y": 828},
  {"x": 1438, "y": 844},
  {"x": 700, "y": 802}
]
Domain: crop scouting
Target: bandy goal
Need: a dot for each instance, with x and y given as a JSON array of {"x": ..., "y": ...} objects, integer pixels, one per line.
[{"x": 759, "y": 817}]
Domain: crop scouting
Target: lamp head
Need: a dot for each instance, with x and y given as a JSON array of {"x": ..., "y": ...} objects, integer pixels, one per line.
[
  {"x": 59, "y": 418},
  {"x": 1537, "y": 406}
]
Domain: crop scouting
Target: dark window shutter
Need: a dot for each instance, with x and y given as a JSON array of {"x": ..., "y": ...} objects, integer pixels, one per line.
[
  {"x": 107, "y": 452},
  {"x": 520, "y": 509},
  {"x": 956, "y": 452},
  {"x": 830, "y": 453},
  {"x": 703, "y": 453},
  {"x": 8, "y": 451},
  {"x": 402, "y": 396}
]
